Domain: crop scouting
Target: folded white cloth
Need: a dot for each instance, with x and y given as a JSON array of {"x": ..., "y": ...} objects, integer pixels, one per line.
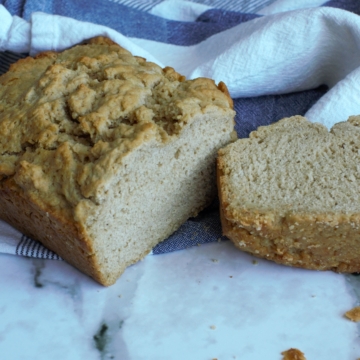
[{"x": 279, "y": 53}]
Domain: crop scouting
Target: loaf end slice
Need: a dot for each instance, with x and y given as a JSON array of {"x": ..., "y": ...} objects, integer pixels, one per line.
[
  {"x": 104, "y": 155},
  {"x": 291, "y": 193}
]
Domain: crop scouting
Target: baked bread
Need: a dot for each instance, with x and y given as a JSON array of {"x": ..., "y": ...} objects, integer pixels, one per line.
[
  {"x": 291, "y": 193},
  {"x": 104, "y": 155}
]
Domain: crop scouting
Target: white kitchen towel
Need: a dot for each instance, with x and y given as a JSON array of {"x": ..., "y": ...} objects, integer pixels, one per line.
[{"x": 277, "y": 61}]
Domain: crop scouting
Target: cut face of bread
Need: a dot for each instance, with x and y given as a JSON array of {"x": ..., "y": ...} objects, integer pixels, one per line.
[
  {"x": 104, "y": 155},
  {"x": 291, "y": 193}
]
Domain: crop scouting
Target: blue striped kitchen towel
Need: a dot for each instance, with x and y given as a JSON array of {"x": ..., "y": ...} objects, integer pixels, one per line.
[{"x": 278, "y": 58}]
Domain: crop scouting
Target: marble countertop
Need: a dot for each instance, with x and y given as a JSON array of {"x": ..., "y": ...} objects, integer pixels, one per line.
[{"x": 207, "y": 302}]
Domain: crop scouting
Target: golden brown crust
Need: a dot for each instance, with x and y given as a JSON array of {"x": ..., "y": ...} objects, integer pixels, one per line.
[
  {"x": 170, "y": 73},
  {"x": 353, "y": 314},
  {"x": 293, "y": 354},
  {"x": 295, "y": 241},
  {"x": 100, "y": 40},
  {"x": 294, "y": 250},
  {"x": 57, "y": 234},
  {"x": 222, "y": 87}
]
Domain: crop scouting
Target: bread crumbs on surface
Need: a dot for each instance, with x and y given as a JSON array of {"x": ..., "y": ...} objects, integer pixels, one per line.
[
  {"x": 353, "y": 314},
  {"x": 212, "y": 327},
  {"x": 293, "y": 354},
  {"x": 215, "y": 260},
  {"x": 255, "y": 262}
]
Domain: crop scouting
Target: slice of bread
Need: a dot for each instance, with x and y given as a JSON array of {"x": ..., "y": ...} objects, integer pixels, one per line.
[
  {"x": 291, "y": 193},
  {"x": 104, "y": 155}
]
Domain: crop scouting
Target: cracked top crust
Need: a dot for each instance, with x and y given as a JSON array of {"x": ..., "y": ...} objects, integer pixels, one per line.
[{"x": 66, "y": 118}]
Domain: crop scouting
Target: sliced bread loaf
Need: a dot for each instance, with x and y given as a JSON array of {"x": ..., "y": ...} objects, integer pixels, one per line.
[
  {"x": 291, "y": 193},
  {"x": 104, "y": 155}
]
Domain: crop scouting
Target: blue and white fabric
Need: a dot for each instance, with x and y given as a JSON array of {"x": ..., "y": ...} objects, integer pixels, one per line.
[{"x": 278, "y": 58}]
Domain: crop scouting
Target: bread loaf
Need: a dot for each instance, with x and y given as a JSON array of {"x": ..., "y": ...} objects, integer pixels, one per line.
[
  {"x": 104, "y": 155},
  {"x": 291, "y": 193}
]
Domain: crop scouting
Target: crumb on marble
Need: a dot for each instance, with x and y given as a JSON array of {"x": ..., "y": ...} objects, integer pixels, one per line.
[
  {"x": 198, "y": 244},
  {"x": 293, "y": 354},
  {"x": 219, "y": 239},
  {"x": 215, "y": 260},
  {"x": 212, "y": 327},
  {"x": 353, "y": 314},
  {"x": 255, "y": 262},
  {"x": 230, "y": 276}
]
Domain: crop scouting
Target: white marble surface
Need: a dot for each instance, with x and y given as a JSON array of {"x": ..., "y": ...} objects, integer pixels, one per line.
[{"x": 207, "y": 302}]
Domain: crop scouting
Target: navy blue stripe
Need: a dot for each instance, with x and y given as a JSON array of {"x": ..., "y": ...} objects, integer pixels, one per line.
[
  {"x": 38, "y": 250},
  {"x": 32, "y": 248},
  {"x": 205, "y": 228},
  {"x": 265, "y": 110},
  {"x": 255, "y": 5},
  {"x": 20, "y": 246},
  {"x": 224, "y": 18},
  {"x": 25, "y": 246},
  {"x": 18, "y": 250},
  {"x": 15, "y": 7},
  {"x": 7, "y": 58},
  {"x": 349, "y": 5},
  {"x": 231, "y": 5},
  {"x": 135, "y": 23},
  {"x": 139, "y": 4}
]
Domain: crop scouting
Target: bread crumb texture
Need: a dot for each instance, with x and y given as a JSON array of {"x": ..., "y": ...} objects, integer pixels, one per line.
[
  {"x": 293, "y": 354},
  {"x": 353, "y": 314},
  {"x": 103, "y": 154},
  {"x": 291, "y": 193}
]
